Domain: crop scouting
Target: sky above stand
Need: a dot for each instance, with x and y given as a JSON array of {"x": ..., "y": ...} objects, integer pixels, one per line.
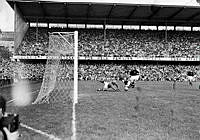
[{"x": 7, "y": 13}]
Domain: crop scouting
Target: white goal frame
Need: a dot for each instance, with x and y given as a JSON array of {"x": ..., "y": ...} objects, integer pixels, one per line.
[
  {"x": 75, "y": 98},
  {"x": 75, "y": 74},
  {"x": 75, "y": 95}
]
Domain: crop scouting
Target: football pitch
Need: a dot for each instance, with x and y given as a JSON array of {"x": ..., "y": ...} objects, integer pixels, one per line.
[{"x": 150, "y": 111}]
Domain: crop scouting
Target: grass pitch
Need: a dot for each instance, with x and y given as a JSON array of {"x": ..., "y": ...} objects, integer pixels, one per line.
[{"x": 151, "y": 111}]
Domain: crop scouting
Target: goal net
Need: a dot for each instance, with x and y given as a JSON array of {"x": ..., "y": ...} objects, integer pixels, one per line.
[{"x": 60, "y": 77}]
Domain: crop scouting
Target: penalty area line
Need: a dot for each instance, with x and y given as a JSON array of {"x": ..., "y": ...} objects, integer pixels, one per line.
[
  {"x": 10, "y": 101},
  {"x": 40, "y": 132},
  {"x": 33, "y": 129}
]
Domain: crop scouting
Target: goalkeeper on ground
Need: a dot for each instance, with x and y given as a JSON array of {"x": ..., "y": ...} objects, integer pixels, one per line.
[{"x": 109, "y": 84}]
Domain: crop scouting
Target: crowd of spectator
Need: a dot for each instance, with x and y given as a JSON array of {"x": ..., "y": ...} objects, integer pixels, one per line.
[
  {"x": 34, "y": 44},
  {"x": 11, "y": 71},
  {"x": 135, "y": 43},
  {"x": 120, "y": 43},
  {"x": 139, "y": 43},
  {"x": 149, "y": 72}
]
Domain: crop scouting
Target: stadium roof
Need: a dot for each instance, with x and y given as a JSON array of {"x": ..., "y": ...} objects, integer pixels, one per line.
[{"x": 111, "y": 13}]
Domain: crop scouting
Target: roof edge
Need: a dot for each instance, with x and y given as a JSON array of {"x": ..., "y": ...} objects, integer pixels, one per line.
[{"x": 106, "y": 3}]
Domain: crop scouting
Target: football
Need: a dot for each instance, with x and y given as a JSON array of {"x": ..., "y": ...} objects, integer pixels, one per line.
[
  {"x": 99, "y": 89},
  {"x": 126, "y": 88}
]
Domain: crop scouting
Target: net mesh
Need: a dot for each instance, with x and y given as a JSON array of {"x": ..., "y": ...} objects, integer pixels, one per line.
[{"x": 57, "y": 82}]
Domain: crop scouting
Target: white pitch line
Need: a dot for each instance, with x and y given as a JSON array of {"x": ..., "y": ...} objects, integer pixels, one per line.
[
  {"x": 8, "y": 102},
  {"x": 40, "y": 132},
  {"x": 35, "y": 130}
]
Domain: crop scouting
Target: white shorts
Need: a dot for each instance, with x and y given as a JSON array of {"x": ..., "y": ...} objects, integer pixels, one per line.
[
  {"x": 191, "y": 78},
  {"x": 105, "y": 85},
  {"x": 134, "y": 78},
  {"x": 128, "y": 83}
]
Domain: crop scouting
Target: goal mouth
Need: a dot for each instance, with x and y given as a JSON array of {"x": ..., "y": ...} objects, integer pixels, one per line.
[
  {"x": 60, "y": 80},
  {"x": 60, "y": 74}
]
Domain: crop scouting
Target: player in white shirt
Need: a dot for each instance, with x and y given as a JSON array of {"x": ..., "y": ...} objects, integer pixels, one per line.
[{"x": 109, "y": 84}]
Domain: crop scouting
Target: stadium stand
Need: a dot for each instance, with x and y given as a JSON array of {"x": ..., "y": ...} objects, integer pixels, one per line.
[
  {"x": 116, "y": 43},
  {"x": 123, "y": 43},
  {"x": 149, "y": 72}
]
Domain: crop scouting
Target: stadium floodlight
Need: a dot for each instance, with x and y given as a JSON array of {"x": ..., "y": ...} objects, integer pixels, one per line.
[{"x": 60, "y": 80}]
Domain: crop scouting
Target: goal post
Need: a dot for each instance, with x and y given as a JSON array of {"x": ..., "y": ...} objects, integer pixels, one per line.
[
  {"x": 60, "y": 80},
  {"x": 75, "y": 67}
]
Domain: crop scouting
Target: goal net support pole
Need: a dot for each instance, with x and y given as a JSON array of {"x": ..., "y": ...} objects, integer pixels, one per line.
[
  {"x": 75, "y": 98},
  {"x": 76, "y": 67}
]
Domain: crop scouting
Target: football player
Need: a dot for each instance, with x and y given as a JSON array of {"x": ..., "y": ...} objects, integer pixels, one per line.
[
  {"x": 134, "y": 76},
  {"x": 129, "y": 81},
  {"x": 109, "y": 84},
  {"x": 191, "y": 77}
]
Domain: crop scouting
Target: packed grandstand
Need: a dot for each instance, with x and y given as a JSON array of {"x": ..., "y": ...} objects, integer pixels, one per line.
[
  {"x": 115, "y": 43},
  {"x": 123, "y": 43}
]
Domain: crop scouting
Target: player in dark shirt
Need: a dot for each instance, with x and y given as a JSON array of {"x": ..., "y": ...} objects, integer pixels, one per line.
[
  {"x": 134, "y": 72},
  {"x": 129, "y": 81},
  {"x": 190, "y": 75}
]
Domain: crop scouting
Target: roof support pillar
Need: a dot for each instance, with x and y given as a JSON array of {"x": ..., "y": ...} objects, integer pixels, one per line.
[
  {"x": 36, "y": 33},
  {"x": 67, "y": 25},
  {"x": 166, "y": 32},
  {"x": 104, "y": 34}
]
